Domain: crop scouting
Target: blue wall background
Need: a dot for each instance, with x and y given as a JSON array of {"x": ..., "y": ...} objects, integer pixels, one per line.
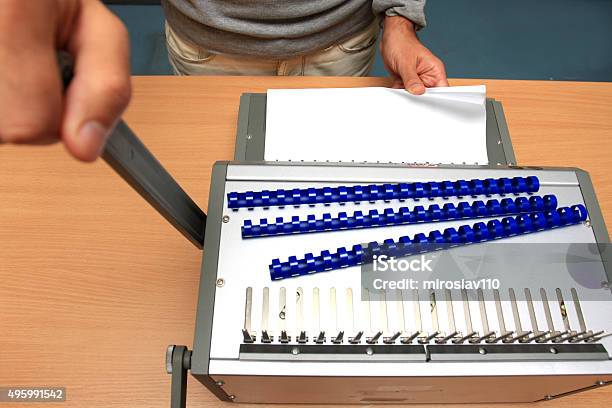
[{"x": 519, "y": 39}]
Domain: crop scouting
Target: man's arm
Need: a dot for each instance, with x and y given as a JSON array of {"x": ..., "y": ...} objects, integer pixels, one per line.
[
  {"x": 408, "y": 61},
  {"x": 33, "y": 109}
]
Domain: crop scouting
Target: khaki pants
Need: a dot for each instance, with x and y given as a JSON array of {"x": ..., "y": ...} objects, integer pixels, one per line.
[{"x": 352, "y": 57}]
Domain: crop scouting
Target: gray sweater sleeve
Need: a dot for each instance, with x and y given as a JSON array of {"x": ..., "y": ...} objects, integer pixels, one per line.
[{"x": 413, "y": 10}]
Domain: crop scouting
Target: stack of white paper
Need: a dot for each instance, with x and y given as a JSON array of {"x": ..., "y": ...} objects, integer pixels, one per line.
[{"x": 445, "y": 125}]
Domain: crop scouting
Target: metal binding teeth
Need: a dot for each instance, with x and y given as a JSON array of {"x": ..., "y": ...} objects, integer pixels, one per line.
[
  {"x": 465, "y": 234},
  {"x": 386, "y": 192},
  {"x": 401, "y": 216},
  {"x": 390, "y": 329}
]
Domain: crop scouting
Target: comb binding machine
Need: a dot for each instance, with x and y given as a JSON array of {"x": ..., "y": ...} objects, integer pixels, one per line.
[{"x": 256, "y": 338}]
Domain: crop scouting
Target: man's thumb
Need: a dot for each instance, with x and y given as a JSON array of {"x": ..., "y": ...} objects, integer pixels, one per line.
[
  {"x": 100, "y": 89},
  {"x": 412, "y": 82}
]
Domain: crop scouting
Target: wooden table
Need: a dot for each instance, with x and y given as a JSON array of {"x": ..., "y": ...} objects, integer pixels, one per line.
[{"x": 94, "y": 284}]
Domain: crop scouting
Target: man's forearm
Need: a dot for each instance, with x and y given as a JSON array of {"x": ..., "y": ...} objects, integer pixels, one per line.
[
  {"x": 413, "y": 10},
  {"x": 401, "y": 25}
]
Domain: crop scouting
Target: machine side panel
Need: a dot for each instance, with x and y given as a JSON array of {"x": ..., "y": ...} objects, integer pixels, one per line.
[
  {"x": 242, "y": 126},
  {"x": 597, "y": 220},
  {"x": 208, "y": 275},
  {"x": 504, "y": 133}
]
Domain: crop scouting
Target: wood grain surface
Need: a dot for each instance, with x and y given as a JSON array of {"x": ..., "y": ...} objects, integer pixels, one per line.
[{"x": 94, "y": 284}]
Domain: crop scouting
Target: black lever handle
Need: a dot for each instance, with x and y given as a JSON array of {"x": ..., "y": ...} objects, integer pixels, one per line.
[
  {"x": 130, "y": 158},
  {"x": 178, "y": 361}
]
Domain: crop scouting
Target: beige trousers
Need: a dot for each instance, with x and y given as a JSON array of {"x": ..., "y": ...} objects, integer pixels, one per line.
[{"x": 352, "y": 57}]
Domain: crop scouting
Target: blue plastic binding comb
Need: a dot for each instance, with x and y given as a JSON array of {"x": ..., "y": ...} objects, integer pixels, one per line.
[
  {"x": 465, "y": 234},
  {"x": 378, "y": 192},
  {"x": 401, "y": 216}
]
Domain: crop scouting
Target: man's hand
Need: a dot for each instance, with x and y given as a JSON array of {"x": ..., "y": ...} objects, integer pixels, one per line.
[
  {"x": 411, "y": 64},
  {"x": 32, "y": 108}
]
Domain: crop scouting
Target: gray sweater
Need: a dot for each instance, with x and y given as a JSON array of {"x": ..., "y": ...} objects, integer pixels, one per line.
[{"x": 279, "y": 28}]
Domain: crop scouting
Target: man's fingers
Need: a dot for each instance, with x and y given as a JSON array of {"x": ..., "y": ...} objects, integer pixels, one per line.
[
  {"x": 30, "y": 92},
  {"x": 441, "y": 82},
  {"x": 31, "y": 101},
  {"x": 30, "y": 86},
  {"x": 100, "y": 89},
  {"x": 441, "y": 77}
]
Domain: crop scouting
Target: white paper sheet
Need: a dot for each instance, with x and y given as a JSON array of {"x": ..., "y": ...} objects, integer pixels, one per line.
[{"x": 445, "y": 125}]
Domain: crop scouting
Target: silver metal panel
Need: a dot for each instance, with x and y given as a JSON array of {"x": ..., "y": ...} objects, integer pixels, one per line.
[
  {"x": 333, "y": 357},
  {"x": 276, "y": 388},
  {"x": 399, "y": 369},
  {"x": 245, "y": 263},
  {"x": 381, "y": 173}
]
